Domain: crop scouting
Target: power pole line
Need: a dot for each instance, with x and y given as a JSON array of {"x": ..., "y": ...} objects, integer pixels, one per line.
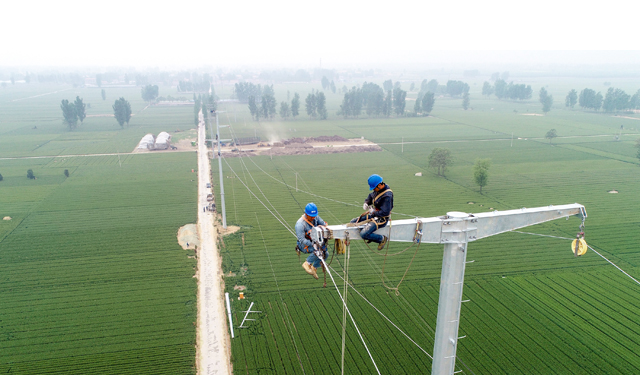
[
  {"x": 455, "y": 230},
  {"x": 218, "y": 139}
]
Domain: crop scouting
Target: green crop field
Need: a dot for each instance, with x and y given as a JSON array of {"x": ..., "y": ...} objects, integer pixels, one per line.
[
  {"x": 92, "y": 279},
  {"x": 534, "y": 308}
]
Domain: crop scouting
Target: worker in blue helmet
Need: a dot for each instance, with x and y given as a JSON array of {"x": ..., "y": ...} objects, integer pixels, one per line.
[
  {"x": 304, "y": 225},
  {"x": 377, "y": 206}
]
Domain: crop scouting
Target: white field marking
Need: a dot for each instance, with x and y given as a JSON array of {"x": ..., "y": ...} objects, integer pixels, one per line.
[
  {"x": 86, "y": 155},
  {"x": 36, "y": 96},
  {"x": 627, "y": 117},
  {"x": 370, "y": 144},
  {"x": 489, "y": 140}
]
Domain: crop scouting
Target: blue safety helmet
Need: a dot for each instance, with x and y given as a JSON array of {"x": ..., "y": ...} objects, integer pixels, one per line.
[
  {"x": 311, "y": 209},
  {"x": 374, "y": 180}
]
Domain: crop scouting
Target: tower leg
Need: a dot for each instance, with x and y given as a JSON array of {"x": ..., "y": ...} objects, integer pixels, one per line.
[{"x": 448, "y": 321}]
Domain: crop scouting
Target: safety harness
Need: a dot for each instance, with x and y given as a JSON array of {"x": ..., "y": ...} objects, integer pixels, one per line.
[
  {"x": 307, "y": 235},
  {"x": 367, "y": 218}
]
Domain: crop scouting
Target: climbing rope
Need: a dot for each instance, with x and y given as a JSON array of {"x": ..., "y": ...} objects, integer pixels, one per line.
[
  {"x": 384, "y": 316},
  {"x": 416, "y": 241},
  {"x": 347, "y": 256},
  {"x": 351, "y": 316}
]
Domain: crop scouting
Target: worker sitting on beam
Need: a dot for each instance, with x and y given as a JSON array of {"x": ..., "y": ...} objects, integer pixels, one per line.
[
  {"x": 307, "y": 221},
  {"x": 378, "y": 206}
]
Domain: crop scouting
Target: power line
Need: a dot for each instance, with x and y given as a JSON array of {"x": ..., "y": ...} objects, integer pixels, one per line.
[
  {"x": 384, "y": 316},
  {"x": 265, "y": 206},
  {"x": 350, "y": 316},
  {"x": 602, "y": 256},
  {"x": 280, "y": 293}
]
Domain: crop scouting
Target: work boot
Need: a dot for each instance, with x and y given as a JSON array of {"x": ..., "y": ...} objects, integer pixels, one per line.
[
  {"x": 311, "y": 270},
  {"x": 382, "y": 243}
]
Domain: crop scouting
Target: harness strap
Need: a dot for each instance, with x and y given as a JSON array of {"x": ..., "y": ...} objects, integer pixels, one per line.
[{"x": 380, "y": 194}]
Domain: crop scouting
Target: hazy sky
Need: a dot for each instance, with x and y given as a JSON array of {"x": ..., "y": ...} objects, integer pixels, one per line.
[{"x": 196, "y": 33}]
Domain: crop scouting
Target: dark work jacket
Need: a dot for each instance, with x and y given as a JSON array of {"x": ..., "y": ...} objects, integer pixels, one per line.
[{"x": 383, "y": 205}]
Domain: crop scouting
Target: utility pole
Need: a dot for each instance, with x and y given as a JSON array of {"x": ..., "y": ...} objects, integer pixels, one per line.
[
  {"x": 218, "y": 139},
  {"x": 455, "y": 230}
]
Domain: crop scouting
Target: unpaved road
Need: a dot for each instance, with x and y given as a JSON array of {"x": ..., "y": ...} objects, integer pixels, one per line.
[{"x": 213, "y": 348}]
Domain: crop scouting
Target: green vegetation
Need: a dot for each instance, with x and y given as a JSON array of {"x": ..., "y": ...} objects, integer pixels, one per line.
[
  {"x": 70, "y": 113},
  {"x": 481, "y": 172},
  {"x": 150, "y": 93},
  {"x": 440, "y": 159},
  {"x": 122, "y": 111},
  {"x": 93, "y": 280},
  {"x": 533, "y": 307}
]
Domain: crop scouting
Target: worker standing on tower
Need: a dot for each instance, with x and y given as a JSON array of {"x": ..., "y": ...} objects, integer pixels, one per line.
[
  {"x": 378, "y": 206},
  {"x": 307, "y": 221}
]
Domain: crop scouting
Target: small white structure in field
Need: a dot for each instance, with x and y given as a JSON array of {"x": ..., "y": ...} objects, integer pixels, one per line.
[
  {"x": 163, "y": 141},
  {"x": 419, "y": 174},
  {"x": 147, "y": 142}
]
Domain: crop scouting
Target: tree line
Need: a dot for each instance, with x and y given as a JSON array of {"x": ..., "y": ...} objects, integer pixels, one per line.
[
  {"x": 375, "y": 100},
  {"x": 614, "y": 100},
  {"x": 32, "y": 176},
  {"x": 504, "y": 90},
  {"x": 206, "y": 103},
  {"x": 72, "y": 112}
]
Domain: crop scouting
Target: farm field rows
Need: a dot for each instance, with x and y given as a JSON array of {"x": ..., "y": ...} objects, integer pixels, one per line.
[
  {"x": 93, "y": 280},
  {"x": 534, "y": 308}
]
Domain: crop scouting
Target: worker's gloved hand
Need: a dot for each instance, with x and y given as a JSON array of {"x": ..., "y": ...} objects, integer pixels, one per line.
[
  {"x": 371, "y": 209},
  {"x": 365, "y": 206},
  {"x": 315, "y": 246}
]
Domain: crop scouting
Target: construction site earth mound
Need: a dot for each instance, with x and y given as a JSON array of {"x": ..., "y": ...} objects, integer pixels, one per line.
[{"x": 304, "y": 146}]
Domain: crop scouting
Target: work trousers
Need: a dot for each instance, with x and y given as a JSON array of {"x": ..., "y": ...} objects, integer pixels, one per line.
[{"x": 367, "y": 231}]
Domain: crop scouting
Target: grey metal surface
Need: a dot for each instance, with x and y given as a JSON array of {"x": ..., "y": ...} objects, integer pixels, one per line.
[
  {"x": 436, "y": 229},
  {"x": 224, "y": 211},
  {"x": 455, "y": 230}
]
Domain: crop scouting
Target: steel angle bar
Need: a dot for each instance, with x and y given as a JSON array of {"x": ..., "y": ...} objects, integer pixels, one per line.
[{"x": 496, "y": 222}]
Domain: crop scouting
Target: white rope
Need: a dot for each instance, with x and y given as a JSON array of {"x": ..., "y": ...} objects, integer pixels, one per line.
[
  {"x": 352, "y": 320},
  {"x": 570, "y": 239},
  {"x": 347, "y": 257},
  {"x": 384, "y": 316},
  {"x": 280, "y": 293},
  {"x": 265, "y": 206}
]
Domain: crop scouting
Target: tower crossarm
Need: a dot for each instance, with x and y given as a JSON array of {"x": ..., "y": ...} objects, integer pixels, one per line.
[{"x": 438, "y": 229}]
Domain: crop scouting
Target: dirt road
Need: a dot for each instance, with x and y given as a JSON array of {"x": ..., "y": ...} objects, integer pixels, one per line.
[{"x": 213, "y": 348}]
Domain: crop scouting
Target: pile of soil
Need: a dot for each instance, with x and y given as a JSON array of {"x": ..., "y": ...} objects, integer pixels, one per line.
[
  {"x": 188, "y": 234},
  {"x": 324, "y": 150},
  {"x": 297, "y": 145},
  {"x": 322, "y": 138},
  {"x": 326, "y": 138}
]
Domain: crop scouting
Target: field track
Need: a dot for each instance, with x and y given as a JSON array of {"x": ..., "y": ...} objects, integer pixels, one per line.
[{"x": 213, "y": 353}]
